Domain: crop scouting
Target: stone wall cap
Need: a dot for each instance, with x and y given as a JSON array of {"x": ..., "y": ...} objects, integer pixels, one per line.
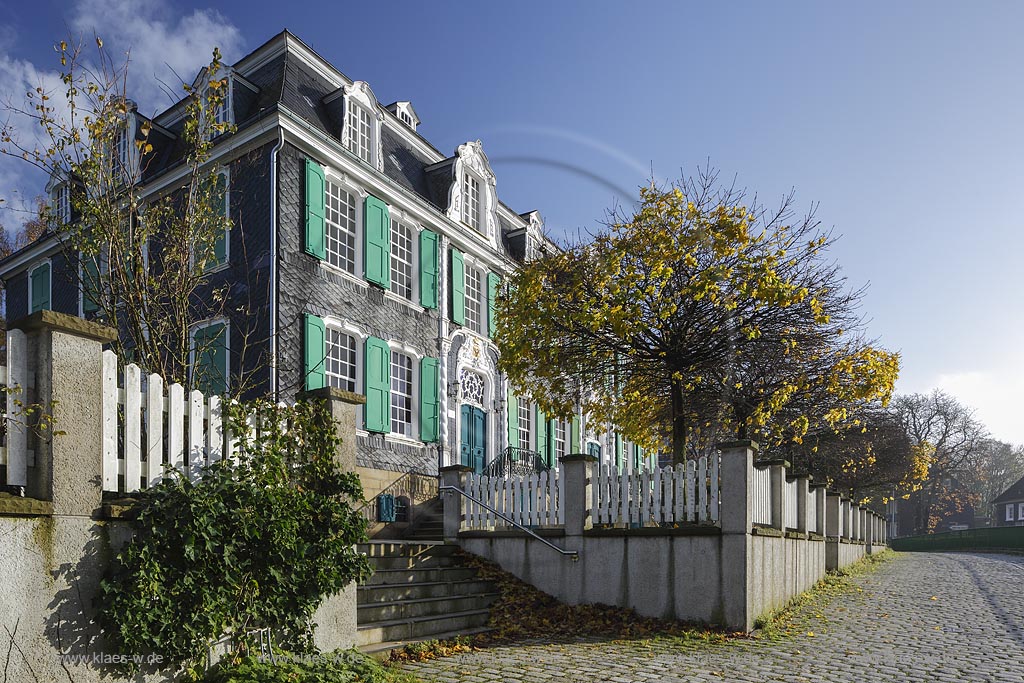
[
  {"x": 24, "y": 507},
  {"x": 774, "y": 461},
  {"x": 741, "y": 443},
  {"x": 456, "y": 468},
  {"x": 578, "y": 457},
  {"x": 62, "y": 322},
  {"x": 817, "y": 485},
  {"x": 333, "y": 393}
]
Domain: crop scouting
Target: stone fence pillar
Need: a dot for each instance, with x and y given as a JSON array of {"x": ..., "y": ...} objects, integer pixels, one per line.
[
  {"x": 802, "y": 513},
  {"x": 65, "y": 354},
  {"x": 578, "y": 470},
  {"x": 736, "y": 475},
  {"x": 454, "y": 504}
]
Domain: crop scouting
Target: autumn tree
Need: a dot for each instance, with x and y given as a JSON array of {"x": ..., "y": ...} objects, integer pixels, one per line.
[
  {"x": 995, "y": 468},
  {"x": 29, "y": 231},
  {"x": 702, "y": 311},
  {"x": 144, "y": 259},
  {"x": 953, "y": 438}
]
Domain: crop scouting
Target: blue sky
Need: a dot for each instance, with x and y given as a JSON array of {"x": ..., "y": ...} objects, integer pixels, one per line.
[{"x": 902, "y": 121}]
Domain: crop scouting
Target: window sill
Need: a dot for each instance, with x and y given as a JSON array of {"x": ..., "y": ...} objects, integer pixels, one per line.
[
  {"x": 408, "y": 303},
  {"x": 392, "y": 437},
  {"x": 344, "y": 274},
  {"x": 217, "y": 268}
]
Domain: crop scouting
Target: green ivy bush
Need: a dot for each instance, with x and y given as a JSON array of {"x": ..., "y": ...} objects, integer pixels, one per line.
[{"x": 255, "y": 543}]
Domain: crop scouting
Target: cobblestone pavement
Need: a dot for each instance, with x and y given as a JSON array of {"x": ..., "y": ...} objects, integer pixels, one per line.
[{"x": 921, "y": 617}]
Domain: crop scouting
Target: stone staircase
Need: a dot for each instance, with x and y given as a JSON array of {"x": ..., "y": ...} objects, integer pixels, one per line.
[{"x": 419, "y": 590}]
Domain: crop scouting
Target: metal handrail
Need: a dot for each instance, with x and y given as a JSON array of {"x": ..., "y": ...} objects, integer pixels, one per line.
[{"x": 574, "y": 554}]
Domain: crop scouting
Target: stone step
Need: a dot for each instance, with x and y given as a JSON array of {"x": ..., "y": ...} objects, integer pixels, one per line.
[
  {"x": 397, "y": 610},
  {"x": 412, "y": 576},
  {"x": 382, "y": 649},
  {"x": 368, "y": 595},
  {"x": 421, "y": 627},
  {"x": 393, "y": 548},
  {"x": 423, "y": 561}
]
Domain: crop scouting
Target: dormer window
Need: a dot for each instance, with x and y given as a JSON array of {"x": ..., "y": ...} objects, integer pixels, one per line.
[
  {"x": 359, "y": 132},
  {"x": 62, "y": 203},
  {"x": 222, "y": 112},
  {"x": 123, "y": 150},
  {"x": 471, "y": 205},
  {"x": 406, "y": 119}
]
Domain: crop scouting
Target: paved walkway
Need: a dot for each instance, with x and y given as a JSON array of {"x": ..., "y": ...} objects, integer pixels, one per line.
[{"x": 921, "y": 617}]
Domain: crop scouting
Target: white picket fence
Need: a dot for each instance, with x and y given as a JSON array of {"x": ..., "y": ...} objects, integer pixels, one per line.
[
  {"x": 789, "y": 492},
  {"x": 529, "y": 500},
  {"x": 146, "y": 427},
  {"x": 762, "y": 496},
  {"x": 687, "y": 493}
]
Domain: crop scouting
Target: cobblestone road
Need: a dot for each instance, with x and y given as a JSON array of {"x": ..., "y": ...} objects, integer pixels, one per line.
[{"x": 920, "y": 617}]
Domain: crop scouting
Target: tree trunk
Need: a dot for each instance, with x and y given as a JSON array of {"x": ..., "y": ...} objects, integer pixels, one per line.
[{"x": 678, "y": 424}]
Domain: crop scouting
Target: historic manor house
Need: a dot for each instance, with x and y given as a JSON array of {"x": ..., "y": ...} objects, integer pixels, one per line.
[{"x": 368, "y": 261}]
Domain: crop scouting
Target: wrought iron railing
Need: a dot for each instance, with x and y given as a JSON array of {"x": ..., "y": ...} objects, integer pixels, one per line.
[
  {"x": 414, "y": 485},
  {"x": 516, "y": 462}
]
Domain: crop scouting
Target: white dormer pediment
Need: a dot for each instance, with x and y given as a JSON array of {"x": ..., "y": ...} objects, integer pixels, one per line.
[
  {"x": 473, "y": 197},
  {"x": 359, "y": 97}
]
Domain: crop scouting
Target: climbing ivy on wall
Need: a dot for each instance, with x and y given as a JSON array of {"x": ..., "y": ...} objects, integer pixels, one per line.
[{"x": 256, "y": 543}]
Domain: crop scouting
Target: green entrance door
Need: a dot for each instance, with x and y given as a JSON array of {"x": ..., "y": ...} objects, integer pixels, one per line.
[{"x": 474, "y": 437}]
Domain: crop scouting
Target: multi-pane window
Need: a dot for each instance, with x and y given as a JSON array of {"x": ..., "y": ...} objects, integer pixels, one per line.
[
  {"x": 401, "y": 259},
  {"x": 62, "y": 203},
  {"x": 560, "y": 449},
  {"x": 1009, "y": 512},
  {"x": 1020, "y": 511},
  {"x": 122, "y": 150},
  {"x": 471, "y": 201},
  {"x": 340, "y": 215},
  {"x": 401, "y": 394},
  {"x": 340, "y": 361},
  {"x": 525, "y": 424},
  {"x": 406, "y": 119},
  {"x": 475, "y": 307},
  {"x": 359, "y": 131}
]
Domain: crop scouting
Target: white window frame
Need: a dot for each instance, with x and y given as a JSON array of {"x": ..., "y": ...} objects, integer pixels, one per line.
[
  {"x": 472, "y": 202},
  {"x": 227, "y": 348},
  {"x": 1020, "y": 506},
  {"x": 356, "y": 343},
  {"x": 357, "y": 231},
  {"x": 480, "y": 301},
  {"x": 1009, "y": 512},
  {"x": 356, "y": 115},
  {"x": 34, "y": 268},
  {"x": 225, "y": 112},
  {"x": 561, "y": 439},
  {"x": 524, "y": 427},
  {"x": 413, "y": 385},
  {"x": 413, "y": 261},
  {"x": 62, "y": 202}
]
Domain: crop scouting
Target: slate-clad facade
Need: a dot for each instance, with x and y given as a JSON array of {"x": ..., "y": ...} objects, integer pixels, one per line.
[{"x": 361, "y": 257}]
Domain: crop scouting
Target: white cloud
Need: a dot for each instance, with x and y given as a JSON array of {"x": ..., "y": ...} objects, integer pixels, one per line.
[
  {"x": 996, "y": 397},
  {"x": 163, "y": 48}
]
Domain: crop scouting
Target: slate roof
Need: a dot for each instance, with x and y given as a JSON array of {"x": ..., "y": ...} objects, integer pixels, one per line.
[{"x": 1012, "y": 494}]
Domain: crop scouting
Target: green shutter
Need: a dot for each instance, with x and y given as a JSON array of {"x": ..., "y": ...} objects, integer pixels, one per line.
[
  {"x": 542, "y": 437},
  {"x": 211, "y": 359},
  {"x": 377, "y": 232},
  {"x": 429, "y": 403},
  {"x": 90, "y": 283},
  {"x": 428, "y": 269},
  {"x": 618, "y": 451},
  {"x": 575, "y": 443},
  {"x": 315, "y": 224},
  {"x": 458, "y": 289},
  {"x": 378, "y": 385},
  {"x": 40, "y": 283},
  {"x": 493, "y": 281},
  {"x": 220, "y": 246},
  {"x": 315, "y": 340},
  {"x": 513, "y": 418}
]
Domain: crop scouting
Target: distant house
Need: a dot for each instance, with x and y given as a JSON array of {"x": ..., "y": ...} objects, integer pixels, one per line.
[{"x": 1009, "y": 506}]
